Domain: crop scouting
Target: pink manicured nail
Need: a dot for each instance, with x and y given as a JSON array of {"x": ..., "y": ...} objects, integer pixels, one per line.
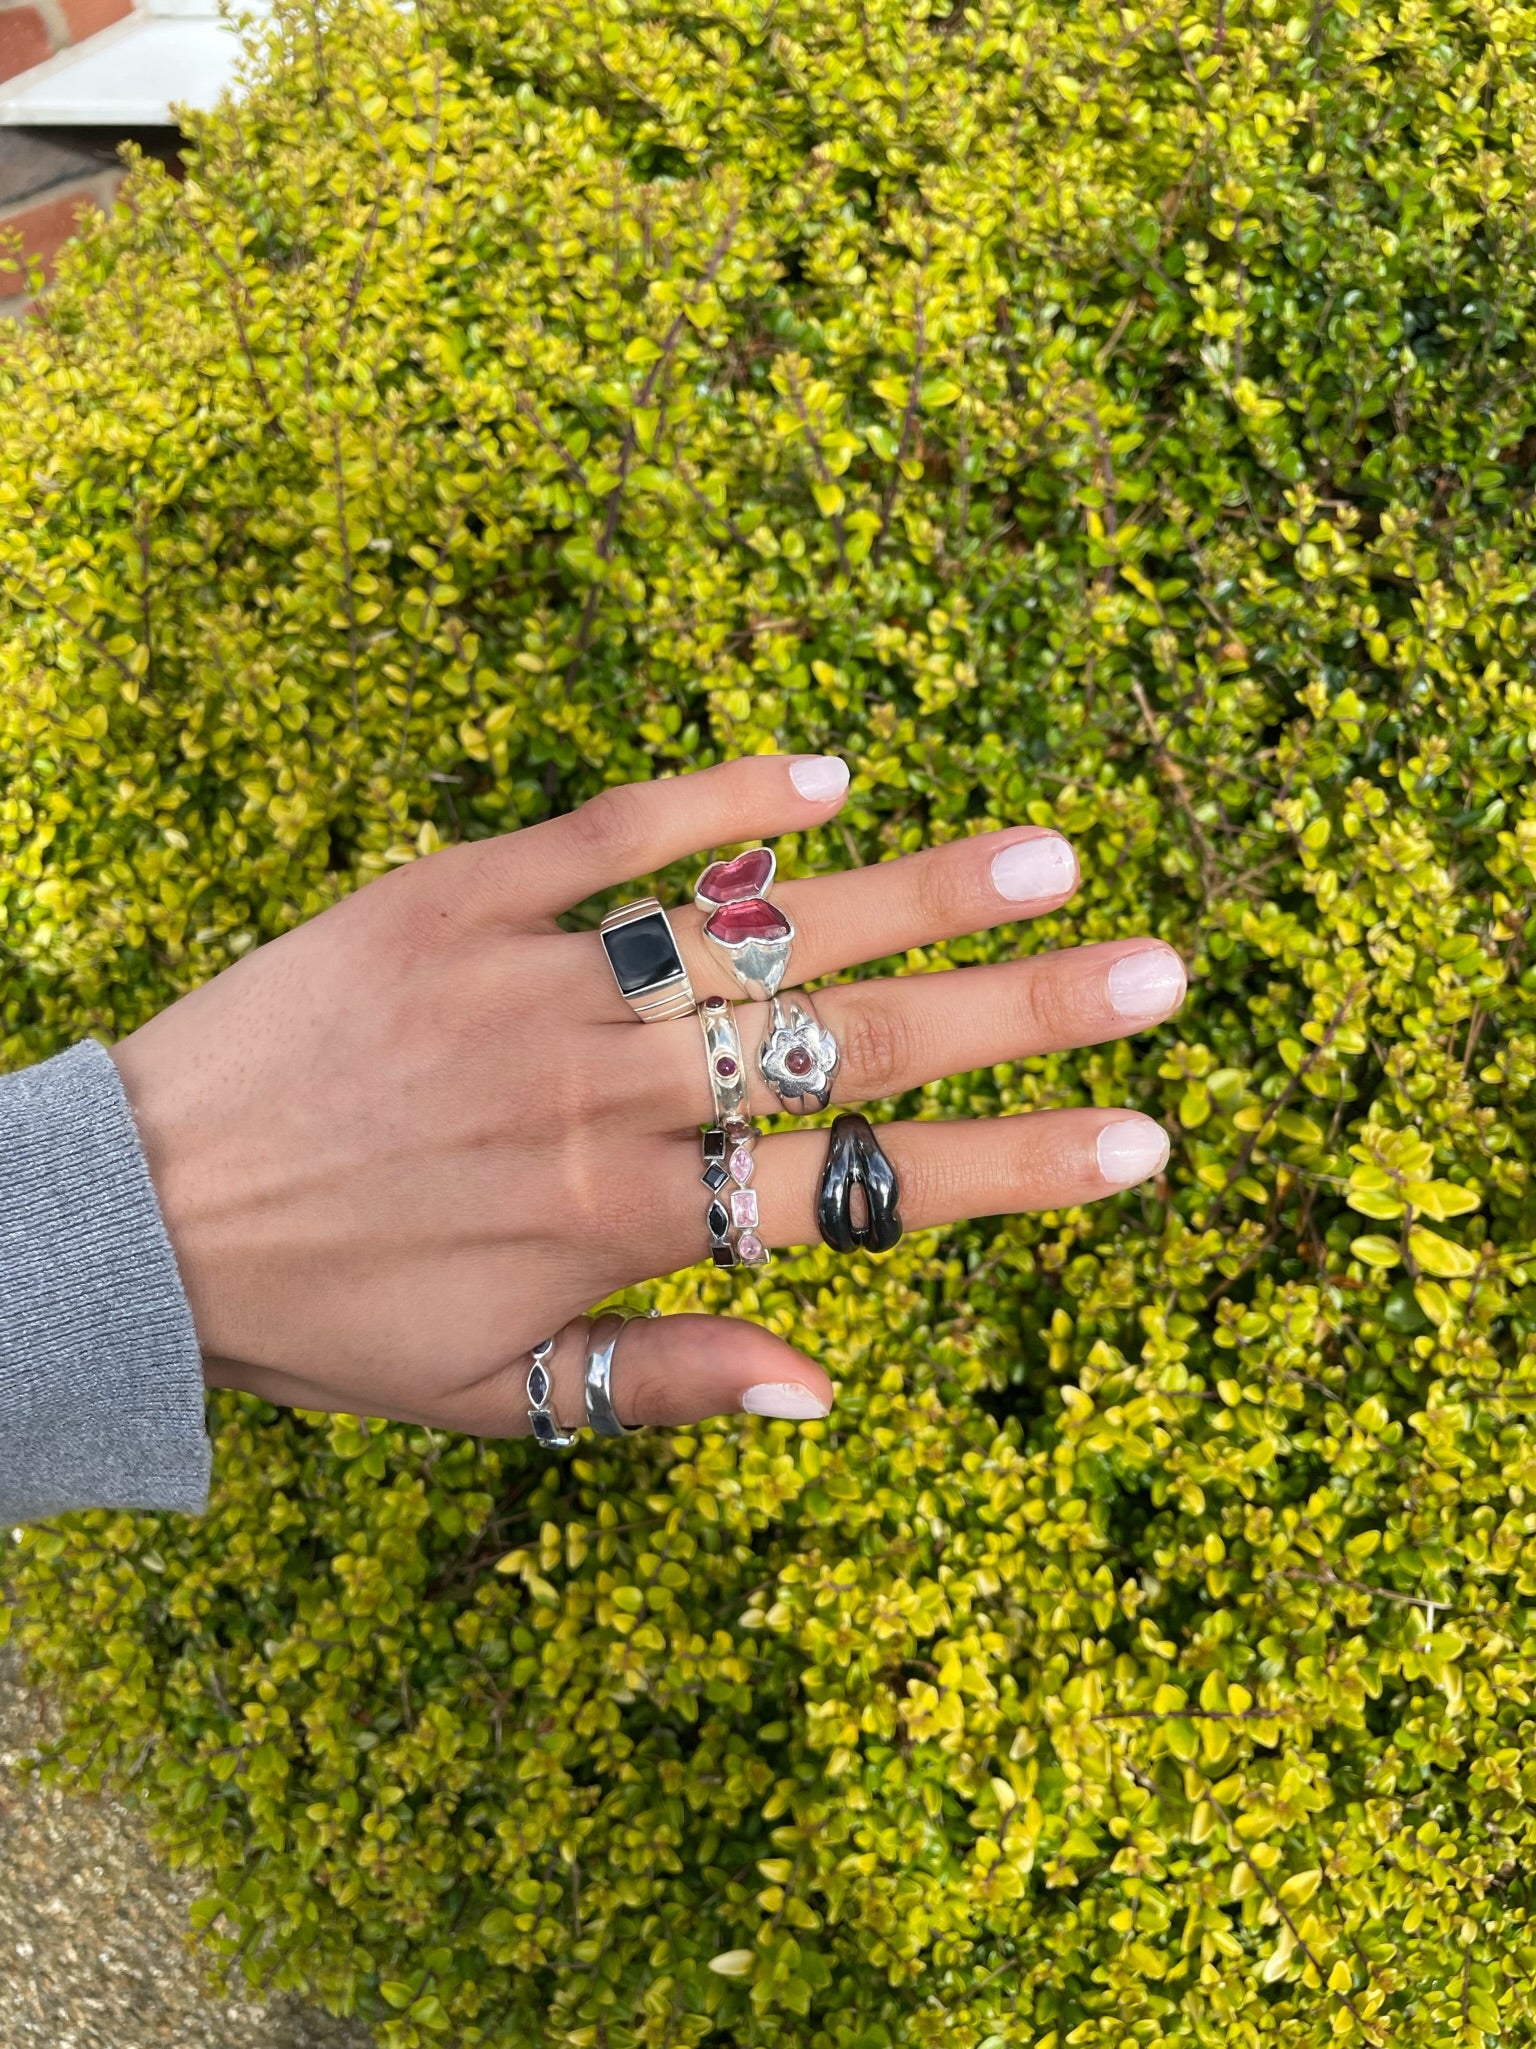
[
  {"x": 1031, "y": 871},
  {"x": 785, "y": 1398},
  {"x": 1147, "y": 984},
  {"x": 1130, "y": 1149},
  {"x": 819, "y": 777}
]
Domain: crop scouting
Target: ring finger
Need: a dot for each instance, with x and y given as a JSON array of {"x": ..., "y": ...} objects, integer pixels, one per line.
[
  {"x": 904, "y": 1030},
  {"x": 949, "y": 1170}
]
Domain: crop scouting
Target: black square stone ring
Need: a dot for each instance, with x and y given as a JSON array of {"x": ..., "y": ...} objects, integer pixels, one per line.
[{"x": 647, "y": 966}]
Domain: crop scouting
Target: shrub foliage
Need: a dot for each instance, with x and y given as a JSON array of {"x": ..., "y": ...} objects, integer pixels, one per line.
[{"x": 1117, "y": 417}]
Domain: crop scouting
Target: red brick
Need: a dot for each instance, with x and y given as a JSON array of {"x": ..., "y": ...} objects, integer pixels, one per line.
[
  {"x": 24, "y": 41},
  {"x": 46, "y": 226},
  {"x": 89, "y": 17}
]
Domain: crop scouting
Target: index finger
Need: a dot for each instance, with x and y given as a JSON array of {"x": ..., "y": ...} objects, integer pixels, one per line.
[{"x": 634, "y": 829}]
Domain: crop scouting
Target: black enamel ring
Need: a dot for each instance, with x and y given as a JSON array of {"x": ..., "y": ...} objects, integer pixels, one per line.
[{"x": 854, "y": 1160}]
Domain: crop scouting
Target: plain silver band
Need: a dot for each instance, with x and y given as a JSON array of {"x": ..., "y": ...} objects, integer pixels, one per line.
[{"x": 601, "y": 1339}]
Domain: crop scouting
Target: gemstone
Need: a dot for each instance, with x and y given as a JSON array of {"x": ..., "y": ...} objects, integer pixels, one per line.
[
  {"x": 725, "y": 1066},
  {"x": 714, "y": 1143},
  {"x": 798, "y": 1060},
  {"x": 754, "y": 919},
  {"x": 723, "y": 1255},
  {"x": 716, "y": 1220},
  {"x": 742, "y": 1165},
  {"x": 714, "y": 1175},
  {"x": 714, "y": 1003},
  {"x": 729, "y": 882},
  {"x": 752, "y": 1250},
  {"x": 642, "y": 953},
  {"x": 744, "y": 1208},
  {"x": 538, "y": 1385}
]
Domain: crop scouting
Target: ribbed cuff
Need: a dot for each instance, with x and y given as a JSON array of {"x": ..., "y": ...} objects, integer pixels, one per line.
[{"x": 101, "y": 1380}]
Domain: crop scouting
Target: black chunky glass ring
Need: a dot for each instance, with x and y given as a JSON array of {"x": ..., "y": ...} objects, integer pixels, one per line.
[{"x": 854, "y": 1160}]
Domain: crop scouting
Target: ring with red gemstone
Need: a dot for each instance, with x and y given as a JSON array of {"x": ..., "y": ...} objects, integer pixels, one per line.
[
  {"x": 799, "y": 1058},
  {"x": 750, "y": 935}
]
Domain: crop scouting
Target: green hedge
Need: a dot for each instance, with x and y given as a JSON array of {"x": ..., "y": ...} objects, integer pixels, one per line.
[{"x": 1121, "y": 419}]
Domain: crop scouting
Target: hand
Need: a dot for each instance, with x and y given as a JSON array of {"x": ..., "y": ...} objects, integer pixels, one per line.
[{"x": 400, "y": 1145}]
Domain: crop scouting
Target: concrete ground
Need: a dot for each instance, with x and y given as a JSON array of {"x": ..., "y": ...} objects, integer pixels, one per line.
[{"x": 93, "y": 1951}]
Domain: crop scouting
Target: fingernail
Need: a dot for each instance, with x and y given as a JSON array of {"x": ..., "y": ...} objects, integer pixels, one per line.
[
  {"x": 1130, "y": 1149},
  {"x": 1031, "y": 870},
  {"x": 1146, "y": 984},
  {"x": 786, "y": 1398},
  {"x": 819, "y": 777}
]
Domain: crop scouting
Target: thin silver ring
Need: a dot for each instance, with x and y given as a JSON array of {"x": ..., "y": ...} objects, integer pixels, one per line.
[
  {"x": 799, "y": 1057},
  {"x": 542, "y": 1418},
  {"x": 727, "y": 1064},
  {"x": 601, "y": 1339}
]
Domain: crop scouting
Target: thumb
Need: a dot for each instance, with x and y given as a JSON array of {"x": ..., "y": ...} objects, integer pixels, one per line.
[{"x": 665, "y": 1370}]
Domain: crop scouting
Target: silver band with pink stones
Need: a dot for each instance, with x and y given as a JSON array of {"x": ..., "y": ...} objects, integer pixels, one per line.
[{"x": 731, "y": 1218}]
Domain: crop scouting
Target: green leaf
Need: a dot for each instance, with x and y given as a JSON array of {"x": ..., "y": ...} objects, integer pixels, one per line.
[
  {"x": 1376, "y": 1251},
  {"x": 1440, "y": 1256}
]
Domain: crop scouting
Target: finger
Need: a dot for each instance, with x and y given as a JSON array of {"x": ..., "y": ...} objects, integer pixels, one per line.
[
  {"x": 665, "y": 1370},
  {"x": 964, "y": 1167},
  {"x": 903, "y": 1031},
  {"x": 870, "y": 913},
  {"x": 634, "y": 829}
]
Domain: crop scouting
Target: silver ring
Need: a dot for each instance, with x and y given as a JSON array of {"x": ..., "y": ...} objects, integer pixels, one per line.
[
  {"x": 750, "y": 935},
  {"x": 727, "y": 1064},
  {"x": 546, "y": 1425},
  {"x": 601, "y": 1339},
  {"x": 799, "y": 1058},
  {"x": 645, "y": 960}
]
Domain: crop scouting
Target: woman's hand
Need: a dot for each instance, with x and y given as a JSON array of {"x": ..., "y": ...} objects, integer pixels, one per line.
[{"x": 400, "y": 1145}]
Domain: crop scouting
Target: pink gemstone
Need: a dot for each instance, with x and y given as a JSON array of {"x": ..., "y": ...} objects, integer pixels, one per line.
[
  {"x": 750, "y": 1249},
  {"x": 798, "y": 1061},
  {"x": 751, "y": 920},
  {"x": 744, "y": 1208},
  {"x": 742, "y": 1165},
  {"x": 725, "y": 1066},
  {"x": 728, "y": 882}
]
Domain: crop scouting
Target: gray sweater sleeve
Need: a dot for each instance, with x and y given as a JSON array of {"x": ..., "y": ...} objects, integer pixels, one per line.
[{"x": 101, "y": 1383}]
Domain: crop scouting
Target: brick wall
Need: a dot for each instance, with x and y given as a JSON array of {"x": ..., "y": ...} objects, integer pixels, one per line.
[{"x": 46, "y": 179}]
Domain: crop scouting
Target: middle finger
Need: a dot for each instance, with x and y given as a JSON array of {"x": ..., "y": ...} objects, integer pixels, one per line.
[{"x": 900, "y": 1032}]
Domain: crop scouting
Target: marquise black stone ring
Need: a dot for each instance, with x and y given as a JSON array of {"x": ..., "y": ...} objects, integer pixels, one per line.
[{"x": 855, "y": 1161}]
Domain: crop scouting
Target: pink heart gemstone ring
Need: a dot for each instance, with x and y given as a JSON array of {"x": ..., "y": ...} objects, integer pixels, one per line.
[{"x": 750, "y": 935}]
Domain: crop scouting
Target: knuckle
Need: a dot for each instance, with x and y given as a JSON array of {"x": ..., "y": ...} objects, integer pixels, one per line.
[
  {"x": 612, "y": 824},
  {"x": 877, "y": 1046},
  {"x": 1048, "y": 1012}
]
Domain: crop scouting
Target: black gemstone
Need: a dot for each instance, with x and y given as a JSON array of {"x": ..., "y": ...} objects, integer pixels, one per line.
[
  {"x": 724, "y": 1255},
  {"x": 642, "y": 953},
  {"x": 538, "y": 1385},
  {"x": 716, "y": 1220},
  {"x": 714, "y": 1144},
  {"x": 714, "y": 1175}
]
